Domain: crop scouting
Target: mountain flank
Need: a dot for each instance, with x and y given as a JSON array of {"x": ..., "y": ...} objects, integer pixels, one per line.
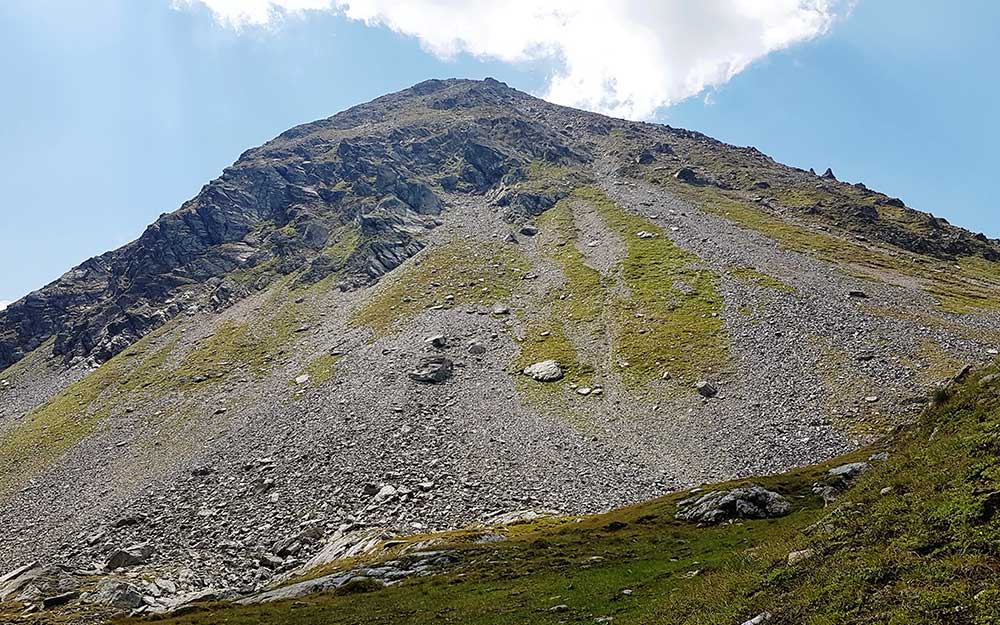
[{"x": 460, "y": 305}]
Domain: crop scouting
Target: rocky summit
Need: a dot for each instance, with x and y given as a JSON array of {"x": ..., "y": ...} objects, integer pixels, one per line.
[{"x": 460, "y": 306}]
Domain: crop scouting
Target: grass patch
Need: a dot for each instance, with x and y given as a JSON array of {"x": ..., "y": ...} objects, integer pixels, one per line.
[
  {"x": 321, "y": 369},
  {"x": 970, "y": 285},
  {"x": 48, "y": 431},
  {"x": 254, "y": 347},
  {"x": 936, "y": 364},
  {"x": 672, "y": 320},
  {"x": 581, "y": 298},
  {"x": 459, "y": 273},
  {"x": 750, "y": 275}
]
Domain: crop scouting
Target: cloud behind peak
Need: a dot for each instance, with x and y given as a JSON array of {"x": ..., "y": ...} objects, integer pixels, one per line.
[{"x": 621, "y": 57}]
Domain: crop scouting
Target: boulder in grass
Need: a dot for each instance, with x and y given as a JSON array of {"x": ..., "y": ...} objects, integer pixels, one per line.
[
  {"x": 544, "y": 371},
  {"x": 751, "y": 502}
]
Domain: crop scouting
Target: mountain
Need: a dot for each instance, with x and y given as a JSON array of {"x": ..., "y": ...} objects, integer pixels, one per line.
[{"x": 460, "y": 304}]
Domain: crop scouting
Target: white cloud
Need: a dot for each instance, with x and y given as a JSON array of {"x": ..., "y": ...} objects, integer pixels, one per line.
[
  {"x": 4, "y": 304},
  {"x": 622, "y": 57}
]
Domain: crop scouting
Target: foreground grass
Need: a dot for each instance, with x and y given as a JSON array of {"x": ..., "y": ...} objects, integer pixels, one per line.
[{"x": 915, "y": 541}]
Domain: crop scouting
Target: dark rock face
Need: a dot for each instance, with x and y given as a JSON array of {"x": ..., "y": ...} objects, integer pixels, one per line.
[{"x": 378, "y": 169}]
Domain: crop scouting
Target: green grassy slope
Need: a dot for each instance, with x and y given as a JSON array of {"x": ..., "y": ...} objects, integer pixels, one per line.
[{"x": 914, "y": 541}]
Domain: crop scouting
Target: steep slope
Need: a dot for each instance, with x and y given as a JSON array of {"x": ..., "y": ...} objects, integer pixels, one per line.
[
  {"x": 264, "y": 368},
  {"x": 915, "y": 540}
]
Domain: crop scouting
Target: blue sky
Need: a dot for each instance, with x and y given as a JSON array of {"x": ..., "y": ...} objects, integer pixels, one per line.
[{"x": 116, "y": 111}]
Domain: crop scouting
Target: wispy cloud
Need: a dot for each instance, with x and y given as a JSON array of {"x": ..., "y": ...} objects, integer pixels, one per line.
[{"x": 622, "y": 57}]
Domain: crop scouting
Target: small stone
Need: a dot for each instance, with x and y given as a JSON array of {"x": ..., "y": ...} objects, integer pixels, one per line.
[
  {"x": 302, "y": 379},
  {"x": 562, "y": 607},
  {"x": 477, "y": 349},
  {"x": 798, "y": 556},
  {"x": 165, "y": 585},
  {"x": 850, "y": 471},
  {"x": 438, "y": 341},
  {"x": 529, "y": 231},
  {"x": 501, "y": 309},
  {"x": 858, "y": 294},
  {"x": 584, "y": 390},
  {"x": 706, "y": 389}
]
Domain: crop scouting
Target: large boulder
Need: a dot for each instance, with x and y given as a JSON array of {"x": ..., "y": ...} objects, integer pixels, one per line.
[
  {"x": 131, "y": 556},
  {"x": 544, "y": 371},
  {"x": 751, "y": 502},
  {"x": 114, "y": 593}
]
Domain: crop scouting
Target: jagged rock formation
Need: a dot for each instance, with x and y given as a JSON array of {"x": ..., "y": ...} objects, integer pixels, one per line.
[{"x": 368, "y": 170}]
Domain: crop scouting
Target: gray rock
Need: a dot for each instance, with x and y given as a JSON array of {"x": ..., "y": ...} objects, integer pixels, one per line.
[
  {"x": 544, "y": 371},
  {"x": 167, "y": 586},
  {"x": 706, "y": 389},
  {"x": 132, "y": 556},
  {"x": 799, "y": 556},
  {"x": 501, "y": 309},
  {"x": 529, "y": 231},
  {"x": 752, "y": 502},
  {"x": 849, "y": 472},
  {"x": 328, "y": 582},
  {"x": 115, "y": 593},
  {"x": 14, "y": 581},
  {"x": 201, "y": 596},
  {"x": 438, "y": 341},
  {"x": 60, "y": 599},
  {"x": 433, "y": 370},
  {"x": 477, "y": 349},
  {"x": 760, "y": 618},
  {"x": 271, "y": 561}
]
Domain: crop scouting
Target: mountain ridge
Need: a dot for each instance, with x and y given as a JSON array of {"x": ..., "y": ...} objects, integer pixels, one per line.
[{"x": 189, "y": 245}]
